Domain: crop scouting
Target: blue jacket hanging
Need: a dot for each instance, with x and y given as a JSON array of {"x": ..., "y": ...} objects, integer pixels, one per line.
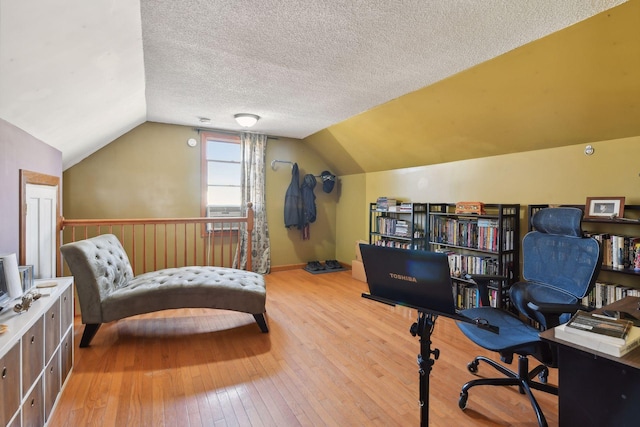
[{"x": 293, "y": 201}]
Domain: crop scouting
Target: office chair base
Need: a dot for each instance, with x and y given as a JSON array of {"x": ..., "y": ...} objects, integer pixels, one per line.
[{"x": 523, "y": 379}]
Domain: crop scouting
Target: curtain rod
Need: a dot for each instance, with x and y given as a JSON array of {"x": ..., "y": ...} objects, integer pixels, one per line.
[{"x": 229, "y": 132}]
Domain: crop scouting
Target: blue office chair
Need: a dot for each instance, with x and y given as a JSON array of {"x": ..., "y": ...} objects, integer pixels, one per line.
[{"x": 560, "y": 267}]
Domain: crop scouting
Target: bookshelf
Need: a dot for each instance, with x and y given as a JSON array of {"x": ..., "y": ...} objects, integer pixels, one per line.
[
  {"x": 618, "y": 277},
  {"x": 402, "y": 226},
  {"x": 478, "y": 244}
]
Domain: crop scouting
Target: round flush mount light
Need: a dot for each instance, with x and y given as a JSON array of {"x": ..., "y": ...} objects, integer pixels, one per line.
[
  {"x": 192, "y": 142},
  {"x": 246, "y": 120},
  {"x": 589, "y": 150}
]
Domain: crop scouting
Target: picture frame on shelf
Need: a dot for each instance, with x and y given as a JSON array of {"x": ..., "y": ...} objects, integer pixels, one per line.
[{"x": 604, "y": 207}]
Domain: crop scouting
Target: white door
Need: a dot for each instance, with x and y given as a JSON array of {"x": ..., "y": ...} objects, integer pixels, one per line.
[{"x": 41, "y": 229}]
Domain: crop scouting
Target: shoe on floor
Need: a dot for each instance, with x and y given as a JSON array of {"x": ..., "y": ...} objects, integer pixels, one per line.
[
  {"x": 332, "y": 264},
  {"x": 314, "y": 266}
]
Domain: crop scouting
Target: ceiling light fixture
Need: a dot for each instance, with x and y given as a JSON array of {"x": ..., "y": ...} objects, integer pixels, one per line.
[{"x": 246, "y": 120}]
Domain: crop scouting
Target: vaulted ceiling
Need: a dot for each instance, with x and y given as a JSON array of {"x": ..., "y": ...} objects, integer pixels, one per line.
[{"x": 367, "y": 84}]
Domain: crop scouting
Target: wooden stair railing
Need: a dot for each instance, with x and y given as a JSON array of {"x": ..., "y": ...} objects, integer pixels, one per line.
[{"x": 157, "y": 243}]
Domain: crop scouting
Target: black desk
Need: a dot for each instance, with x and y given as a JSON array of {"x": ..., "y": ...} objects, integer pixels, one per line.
[{"x": 596, "y": 389}]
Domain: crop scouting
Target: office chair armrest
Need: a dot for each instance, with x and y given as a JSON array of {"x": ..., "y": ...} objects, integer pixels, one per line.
[{"x": 554, "y": 308}]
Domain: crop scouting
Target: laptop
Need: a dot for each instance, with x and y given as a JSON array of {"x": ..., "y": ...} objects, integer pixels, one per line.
[
  {"x": 415, "y": 279},
  {"x": 412, "y": 278}
]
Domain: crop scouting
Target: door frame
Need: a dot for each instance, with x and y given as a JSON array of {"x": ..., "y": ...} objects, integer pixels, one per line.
[{"x": 36, "y": 178}]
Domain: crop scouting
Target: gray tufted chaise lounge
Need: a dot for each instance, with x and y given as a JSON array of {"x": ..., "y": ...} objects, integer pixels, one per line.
[{"x": 108, "y": 290}]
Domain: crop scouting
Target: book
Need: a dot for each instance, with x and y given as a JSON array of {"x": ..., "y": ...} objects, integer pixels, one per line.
[
  {"x": 608, "y": 330},
  {"x": 631, "y": 342}
]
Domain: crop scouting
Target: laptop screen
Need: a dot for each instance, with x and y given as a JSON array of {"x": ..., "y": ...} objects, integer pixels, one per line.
[{"x": 418, "y": 279}]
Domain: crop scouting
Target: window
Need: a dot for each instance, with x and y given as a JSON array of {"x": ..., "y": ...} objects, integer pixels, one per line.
[{"x": 221, "y": 175}]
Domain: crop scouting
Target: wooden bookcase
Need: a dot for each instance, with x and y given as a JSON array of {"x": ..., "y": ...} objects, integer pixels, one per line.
[
  {"x": 614, "y": 282},
  {"x": 486, "y": 243},
  {"x": 404, "y": 228}
]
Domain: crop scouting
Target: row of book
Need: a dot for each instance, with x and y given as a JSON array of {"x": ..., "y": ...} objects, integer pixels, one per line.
[
  {"x": 393, "y": 227},
  {"x": 619, "y": 251},
  {"x": 397, "y": 244},
  {"x": 461, "y": 264},
  {"x": 467, "y": 296},
  {"x": 384, "y": 203},
  {"x": 483, "y": 234},
  {"x": 405, "y": 207},
  {"x": 606, "y": 293}
]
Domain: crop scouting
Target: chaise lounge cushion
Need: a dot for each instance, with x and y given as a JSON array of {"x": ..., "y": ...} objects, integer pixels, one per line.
[{"x": 206, "y": 287}]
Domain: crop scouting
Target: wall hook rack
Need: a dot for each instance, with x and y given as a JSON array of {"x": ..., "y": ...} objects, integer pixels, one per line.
[{"x": 274, "y": 162}]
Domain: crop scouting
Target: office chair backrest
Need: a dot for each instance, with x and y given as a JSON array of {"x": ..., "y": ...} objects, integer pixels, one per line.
[{"x": 557, "y": 254}]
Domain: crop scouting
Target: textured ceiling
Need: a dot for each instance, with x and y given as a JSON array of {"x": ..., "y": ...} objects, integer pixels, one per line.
[
  {"x": 576, "y": 86},
  {"x": 78, "y": 74}
]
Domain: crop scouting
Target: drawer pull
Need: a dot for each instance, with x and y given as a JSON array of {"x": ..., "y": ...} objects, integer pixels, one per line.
[
  {"x": 33, "y": 339},
  {"x": 51, "y": 369},
  {"x": 4, "y": 372},
  {"x": 33, "y": 402}
]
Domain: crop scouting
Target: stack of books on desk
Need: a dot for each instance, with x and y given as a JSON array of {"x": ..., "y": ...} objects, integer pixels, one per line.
[{"x": 611, "y": 336}]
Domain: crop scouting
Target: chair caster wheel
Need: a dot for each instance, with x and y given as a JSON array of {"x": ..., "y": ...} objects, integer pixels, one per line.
[
  {"x": 473, "y": 367},
  {"x": 462, "y": 402},
  {"x": 542, "y": 376}
]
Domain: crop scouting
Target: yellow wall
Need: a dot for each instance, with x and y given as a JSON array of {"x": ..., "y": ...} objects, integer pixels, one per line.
[
  {"x": 151, "y": 172},
  {"x": 287, "y": 246},
  {"x": 351, "y": 211},
  {"x": 577, "y": 85},
  {"x": 558, "y": 176}
]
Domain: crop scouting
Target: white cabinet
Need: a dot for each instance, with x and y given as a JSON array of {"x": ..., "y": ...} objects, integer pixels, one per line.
[
  {"x": 10, "y": 383},
  {"x": 36, "y": 355}
]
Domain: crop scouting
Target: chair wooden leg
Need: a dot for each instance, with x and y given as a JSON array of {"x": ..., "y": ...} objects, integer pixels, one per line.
[
  {"x": 90, "y": 330},
  {"x": 261, "y": 320}
]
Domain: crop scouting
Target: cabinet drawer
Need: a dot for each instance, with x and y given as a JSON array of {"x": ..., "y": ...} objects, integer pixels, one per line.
[
  {"x": 66, "y": 356},
  {"x": 51, "y": 384},
  {"x": 51, "y": 330},
  {"x": 33, "y": 407},
  {"x": 66, "y": 309},
  {"x": 32, "y": 354},
  {"x": 9, "y": 384}
]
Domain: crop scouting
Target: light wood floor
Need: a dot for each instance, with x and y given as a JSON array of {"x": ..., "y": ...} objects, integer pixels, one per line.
[{"x": 331, "y": 358}]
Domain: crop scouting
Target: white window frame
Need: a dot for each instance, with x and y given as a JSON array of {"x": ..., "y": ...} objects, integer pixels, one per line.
[{"x": 216, "y": 211}]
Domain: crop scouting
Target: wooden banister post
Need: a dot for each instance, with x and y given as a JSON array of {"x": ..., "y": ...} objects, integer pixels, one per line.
[{"x": 249, "y": 235}]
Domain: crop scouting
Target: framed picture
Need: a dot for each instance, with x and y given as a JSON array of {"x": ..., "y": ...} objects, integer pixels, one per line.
[{"x": 604, "y": 207}]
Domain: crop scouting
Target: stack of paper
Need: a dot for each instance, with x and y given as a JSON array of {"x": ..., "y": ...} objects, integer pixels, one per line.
[{"x": 610, "y": 336}]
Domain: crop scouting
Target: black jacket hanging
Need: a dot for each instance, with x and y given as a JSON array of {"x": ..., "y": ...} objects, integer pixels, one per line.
[
  {"x": 293, "y": 201},
  {"x": 308, "y": 199}
]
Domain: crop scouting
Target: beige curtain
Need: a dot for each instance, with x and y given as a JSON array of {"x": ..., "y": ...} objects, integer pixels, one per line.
[{"x": 254, "y": 147}]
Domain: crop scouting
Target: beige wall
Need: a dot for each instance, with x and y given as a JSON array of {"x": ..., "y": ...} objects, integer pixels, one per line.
[{"x": 151, "y": 172}]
